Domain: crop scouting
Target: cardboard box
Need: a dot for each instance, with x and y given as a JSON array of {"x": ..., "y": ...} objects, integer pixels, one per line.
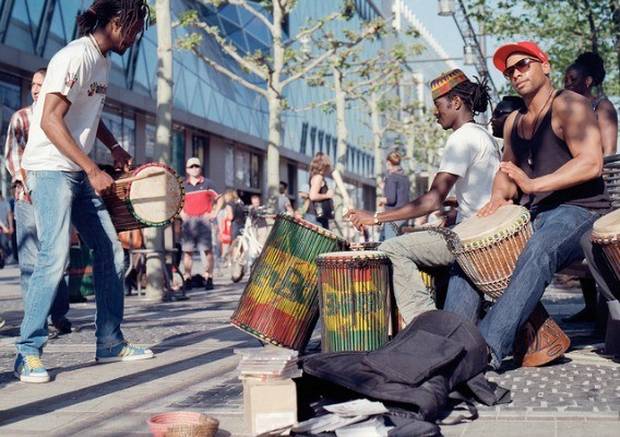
[{"x": 269, "y": 405}]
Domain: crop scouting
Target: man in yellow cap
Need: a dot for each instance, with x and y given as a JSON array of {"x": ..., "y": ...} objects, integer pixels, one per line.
[
  {"x": 470, "y": 160},
  {"x": 552, "y": 163}
]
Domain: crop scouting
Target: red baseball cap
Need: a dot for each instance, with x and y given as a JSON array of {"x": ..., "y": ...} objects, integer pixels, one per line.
[{"x": 526, "y": 47}]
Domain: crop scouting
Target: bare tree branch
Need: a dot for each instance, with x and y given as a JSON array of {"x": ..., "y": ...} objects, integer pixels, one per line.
[
  {"x": 226, "y": 72},
  {"x": 231, "y": 51},
  {"x": 309, "y": 67},
  {"x": 245, "y": 5},
  {"x": 311, "y": 30},
  {"x": 319, "y": 105}
]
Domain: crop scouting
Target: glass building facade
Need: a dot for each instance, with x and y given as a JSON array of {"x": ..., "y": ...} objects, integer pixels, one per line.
[{"x": 216, "y": 119}]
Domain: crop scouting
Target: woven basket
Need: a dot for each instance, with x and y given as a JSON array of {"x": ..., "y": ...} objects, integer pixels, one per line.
[{"x": 183, "y": 424}]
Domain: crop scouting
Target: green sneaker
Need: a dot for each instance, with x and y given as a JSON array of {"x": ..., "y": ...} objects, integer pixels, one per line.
[
  {"x": 30, "y": 368},
  {"x": 123, "y": 352}
]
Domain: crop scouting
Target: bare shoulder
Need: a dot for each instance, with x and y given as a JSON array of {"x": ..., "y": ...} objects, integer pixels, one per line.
[
  {"x": 569, "y": 105},
  {"x": 606, "y": 106}
]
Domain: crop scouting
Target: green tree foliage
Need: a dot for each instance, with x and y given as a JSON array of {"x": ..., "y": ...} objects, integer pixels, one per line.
[{"x": 564, "y": 28}]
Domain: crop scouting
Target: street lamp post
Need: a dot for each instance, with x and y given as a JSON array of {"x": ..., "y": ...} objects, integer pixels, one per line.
[
  {"x": 472, "y": 51},
  {"x": 446, "y": 8}
]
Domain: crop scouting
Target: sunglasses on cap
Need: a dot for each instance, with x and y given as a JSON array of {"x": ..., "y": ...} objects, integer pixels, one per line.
[
  {"x": 523, "y": 65},
  {"x": 194, "y": 166}
]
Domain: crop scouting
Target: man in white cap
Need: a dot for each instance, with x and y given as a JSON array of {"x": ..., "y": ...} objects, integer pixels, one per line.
[{"x": 197, "y": 213}]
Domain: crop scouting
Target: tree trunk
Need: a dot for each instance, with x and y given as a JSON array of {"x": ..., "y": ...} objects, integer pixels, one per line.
[
  {"x": 273, "y": 146},
  {"x": 342, "y": 135},
  {"x": 154, "y": 237},
  {"x": 377, "y": 134},
  {"x": 275, "y": 104}
]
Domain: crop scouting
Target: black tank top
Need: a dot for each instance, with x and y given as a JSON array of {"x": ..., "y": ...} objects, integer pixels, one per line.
[
  {"x": 544, "y": 154},
  {"x": 322, "y": 190}
]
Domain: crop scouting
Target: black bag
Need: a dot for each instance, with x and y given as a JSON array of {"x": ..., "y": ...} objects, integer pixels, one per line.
[{"x": 325, "y": 209}]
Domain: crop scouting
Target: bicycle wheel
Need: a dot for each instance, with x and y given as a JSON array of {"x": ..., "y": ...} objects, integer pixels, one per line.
[{"x": 238, "y": 259}]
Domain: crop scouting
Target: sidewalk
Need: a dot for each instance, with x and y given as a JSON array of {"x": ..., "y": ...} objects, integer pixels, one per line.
[{"x": 194, "y": 371}]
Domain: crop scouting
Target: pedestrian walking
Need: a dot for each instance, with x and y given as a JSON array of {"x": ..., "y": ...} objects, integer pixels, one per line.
[
  {"x": 25, "y": 226},
  {"x": 197, "y": 214}
]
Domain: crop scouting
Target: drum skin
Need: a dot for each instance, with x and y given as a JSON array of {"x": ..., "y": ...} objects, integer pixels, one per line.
[
  {"x": 155, "y": 201},
  {"x": 354, "y": 292},
  {"x": 606, "y": 233},
  {"x": 280, "y": 303}
]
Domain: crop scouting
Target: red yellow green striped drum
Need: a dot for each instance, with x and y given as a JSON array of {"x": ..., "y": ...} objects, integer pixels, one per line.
[
  {"x": 280, "y": 302},
  {"x": 354, "y": 300}
]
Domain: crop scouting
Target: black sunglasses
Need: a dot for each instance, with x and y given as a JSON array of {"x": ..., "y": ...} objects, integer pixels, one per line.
[
  {"x": 194, "y": 166},
  {"x": 523, "y": 65}
]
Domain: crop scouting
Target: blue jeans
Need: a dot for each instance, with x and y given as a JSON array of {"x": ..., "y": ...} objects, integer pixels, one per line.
[
  {"x": 59, "y": 199},
  {"x": 553, "y": 246},
  {"x": 391, "y": 229},
  {"x": 28, "y": 247}
]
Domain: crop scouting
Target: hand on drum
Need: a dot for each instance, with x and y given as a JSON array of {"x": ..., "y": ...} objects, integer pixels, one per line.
[
  {"x": 100, "y": 180},
  {"x": 518, "y": 176},
  {"x": 122, "y": 159},
  {"x": 360, "y": 218},
  {"x": 492, "y": 205}
]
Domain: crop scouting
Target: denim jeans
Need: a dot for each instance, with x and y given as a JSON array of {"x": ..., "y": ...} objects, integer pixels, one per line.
[
  {"x": 312, "y": 218},
  {"x": 59, "y": 199},
  {"x": 553, "y": 246},
  {"x": 390, "y": 229},
  {"x": 28, "y": 247}
]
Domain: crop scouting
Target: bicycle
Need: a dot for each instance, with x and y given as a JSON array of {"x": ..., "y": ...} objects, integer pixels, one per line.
[{"x": 246, "y": 248}]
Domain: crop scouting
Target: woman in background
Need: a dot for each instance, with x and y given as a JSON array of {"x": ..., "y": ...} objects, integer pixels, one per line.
[
  {"x": 581, "y": 76},
  {"x": 320, "y": 209}
]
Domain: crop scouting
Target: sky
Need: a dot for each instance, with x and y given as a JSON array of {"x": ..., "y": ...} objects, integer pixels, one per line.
[{"x": 446, "y": 33}]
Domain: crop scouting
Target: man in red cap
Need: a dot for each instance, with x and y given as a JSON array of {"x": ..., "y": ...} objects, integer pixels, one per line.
[{"x": 552, "y": 163}]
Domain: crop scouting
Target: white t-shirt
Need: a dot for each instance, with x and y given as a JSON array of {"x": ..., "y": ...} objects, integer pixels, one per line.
[
  {"x": 80, "y": 73},
  {"x": 472, "y": 154}
]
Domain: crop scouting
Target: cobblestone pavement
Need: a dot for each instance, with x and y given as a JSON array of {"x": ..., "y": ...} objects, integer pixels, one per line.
[{"x": 194, "y": 371}]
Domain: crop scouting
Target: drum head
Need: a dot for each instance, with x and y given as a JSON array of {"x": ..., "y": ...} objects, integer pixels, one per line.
[
  {"x": 478, "y": 228},
  {"x": 354, "y": 255},
  {"x": 608, "y": 225},
  {"x": 157, "y": 199}
]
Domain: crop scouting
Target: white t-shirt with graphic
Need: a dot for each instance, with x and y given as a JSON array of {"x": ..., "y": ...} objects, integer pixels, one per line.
[
  {"x": 79, "y": 72},
  {"x": 472, "y": 154}
]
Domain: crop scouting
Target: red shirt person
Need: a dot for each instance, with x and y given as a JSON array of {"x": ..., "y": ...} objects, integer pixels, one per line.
[{"x": 198, "y": 212}]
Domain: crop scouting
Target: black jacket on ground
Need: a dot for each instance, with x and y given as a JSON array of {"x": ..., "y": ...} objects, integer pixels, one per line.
[{"x": 439, "y": 357}]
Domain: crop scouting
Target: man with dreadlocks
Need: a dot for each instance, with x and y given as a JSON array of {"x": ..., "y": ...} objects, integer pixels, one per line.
[
  {"x": 470, "y": 160},
  {"x": 64, "y": 182}
]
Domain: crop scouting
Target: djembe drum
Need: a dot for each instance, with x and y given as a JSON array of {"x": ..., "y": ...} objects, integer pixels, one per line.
[
  {"x": 487, "y": 250},
  {"x": 354, "y": 295},
  {"x": 150, "y": 196},
  {"x": 280, "y": 302},
  {"x": 606, "y": 233}
]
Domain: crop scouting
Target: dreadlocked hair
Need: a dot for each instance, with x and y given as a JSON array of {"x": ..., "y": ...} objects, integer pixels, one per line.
[
  {"x": 475, "y": 95},
  {"x": 101, "y": 12}
]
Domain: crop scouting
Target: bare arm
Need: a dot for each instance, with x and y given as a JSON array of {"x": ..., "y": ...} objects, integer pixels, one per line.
[
  {"x": 425, "y": 204},
  {"x": 608, "y": 125},
  {"x": 122, "y": 159},
  {"x": 574, "y": 121},
  {"x": 54, "y": 126},
  {"x": 504, "y": 189},
  {"x": 315, "y": 187}
]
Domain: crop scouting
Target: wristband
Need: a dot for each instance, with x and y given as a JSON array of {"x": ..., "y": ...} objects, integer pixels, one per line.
[
  {"x": 376, "y": 217},
  {"x": 115, "y": 146}
]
